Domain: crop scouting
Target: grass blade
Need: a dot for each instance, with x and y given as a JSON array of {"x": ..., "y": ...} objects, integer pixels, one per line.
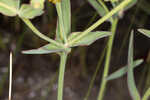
[
  {"x": 10, "y": 77},
  {"x": 130, "y": 75},
  {"x": 122, "y": 71}
]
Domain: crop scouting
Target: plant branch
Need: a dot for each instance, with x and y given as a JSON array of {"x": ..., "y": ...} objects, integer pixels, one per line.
[{"x": 107, "y": 62}]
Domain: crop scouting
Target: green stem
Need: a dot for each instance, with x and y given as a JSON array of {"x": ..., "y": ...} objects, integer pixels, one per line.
[
  {"x": 33, "y": 28},
  {"x": 100, "y": 21},
  {"x": 107, "y": 62},
  {"x": 63, "y": 60}
]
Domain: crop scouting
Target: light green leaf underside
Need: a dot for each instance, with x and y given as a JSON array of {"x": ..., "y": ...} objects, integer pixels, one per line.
[
  {"x": 122, "y": 71},
  {"x": 9, "y": 7},
  {"x": 66, "y": 14},
  {"x": 130, "y": 75},
  {"x": 27, "y": 11},
  {"x": 90, "y": 38},
  {"x": 49, "y": 48},
  {"x": 145, "y": 32}
]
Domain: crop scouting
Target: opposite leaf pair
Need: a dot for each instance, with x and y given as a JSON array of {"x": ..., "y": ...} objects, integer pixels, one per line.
[{"x": 90, "y": 38}]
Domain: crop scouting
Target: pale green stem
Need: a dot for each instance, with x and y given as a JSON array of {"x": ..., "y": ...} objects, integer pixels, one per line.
[
  {"x": 61, "y": 23},
  {"x": 107, "y": 62},
  {"x": 36, "y": 31},
  {"x": 63, "y": 60},
  {"x": 100, "y": 21}
]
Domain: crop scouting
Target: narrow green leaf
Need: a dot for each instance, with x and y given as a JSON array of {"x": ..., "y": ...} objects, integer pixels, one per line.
[
  {"x": 9, "y": 7},
  {"x": 146, "y": 95},
  {"x": 88, "y": 39},
  {"x": 27, "y": 11},
  {"x": 130, "y": 76},
  {"x": 64, "y": 18},
  {"x": 66, "y": 14},
  {"x": 37, "y": 4},
  {"x": 122, "y": 71},
  {"x": 145, "y": 32},
  {"x": 49, "y": 48}
]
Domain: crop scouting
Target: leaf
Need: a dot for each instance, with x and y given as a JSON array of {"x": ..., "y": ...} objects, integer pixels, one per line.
[
  {"x": 145, "y": 32},
  {"x": 49, "y": 48},
  {"x": 64, "y": 18},
  {"x": 27, "y": 11},
  {"x": 146, "y": 95},
  {"x": 9, "y": 7},
  {"x": 66, "y": 14},
  {"x": 37, "y": 4},
  {"x": 122, "y": 71},
  {"x": 89, "y": 38},
  {"x": 130, "y": 76}
]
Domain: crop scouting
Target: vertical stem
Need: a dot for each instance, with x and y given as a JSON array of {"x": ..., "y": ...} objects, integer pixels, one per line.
[
  {"x": 107, "y": 62},
  {"x": 63, "y": 60},
  {"x": 10, "y": 77}
]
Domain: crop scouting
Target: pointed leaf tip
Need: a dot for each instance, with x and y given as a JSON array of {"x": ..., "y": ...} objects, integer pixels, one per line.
[
  {"x": 90, "y": 38},
  {"x": 49, "y": 48}
]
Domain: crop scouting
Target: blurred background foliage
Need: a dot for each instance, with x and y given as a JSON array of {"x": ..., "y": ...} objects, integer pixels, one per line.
[{"x": 35, "y": 76}]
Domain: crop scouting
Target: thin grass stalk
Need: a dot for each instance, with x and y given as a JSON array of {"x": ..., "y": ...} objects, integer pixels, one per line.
[
  {"x": 10, "y": 77},
  {"x": 107, "y": 62},
  {"x": 63, "y": 60},
  {"x": 95, "y": 74}
]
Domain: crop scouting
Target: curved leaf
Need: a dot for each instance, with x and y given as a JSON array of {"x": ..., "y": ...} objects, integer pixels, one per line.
[
  {"x": 49, "y": 48},
  {"x": 130, "y": 75}
]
